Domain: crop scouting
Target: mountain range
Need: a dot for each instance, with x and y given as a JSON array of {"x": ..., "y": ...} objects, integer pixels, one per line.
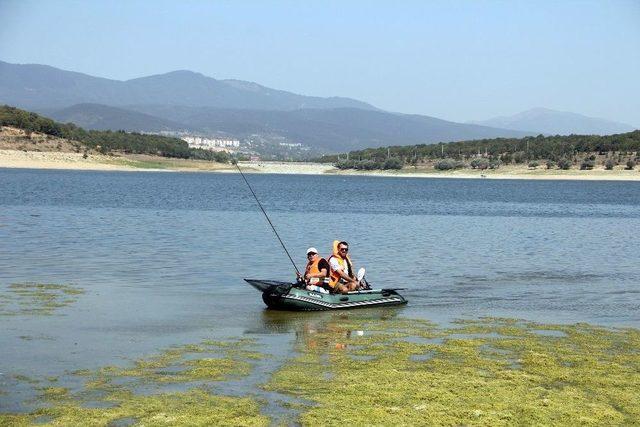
[
  {"x": 191, "y": 102},
  {"x": 33, "y": 86},
  {"x": 551, "y": 122}
]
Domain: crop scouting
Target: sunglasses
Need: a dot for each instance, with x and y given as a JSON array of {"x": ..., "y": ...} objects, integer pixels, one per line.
[
  {"x": 343, "y": 249},
  {"x": 311, "y": 254}
]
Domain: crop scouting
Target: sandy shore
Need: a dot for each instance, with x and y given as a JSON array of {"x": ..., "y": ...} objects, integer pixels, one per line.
[
  {"x": 76, "y": 161},
  {"x": 52, "y": 160},
  {"x": 297, "y": 168},
  {"x": 510, "y": 172}
]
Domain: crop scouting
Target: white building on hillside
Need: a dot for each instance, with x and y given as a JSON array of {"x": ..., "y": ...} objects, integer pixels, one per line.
[{"x": 210, "y": 143}]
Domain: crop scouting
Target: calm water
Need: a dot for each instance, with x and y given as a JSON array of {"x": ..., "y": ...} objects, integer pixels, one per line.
[{"x": 162, "y": 255}]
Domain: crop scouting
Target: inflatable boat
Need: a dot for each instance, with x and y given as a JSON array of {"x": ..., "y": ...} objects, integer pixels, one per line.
[{"x": 289, "y": 296}]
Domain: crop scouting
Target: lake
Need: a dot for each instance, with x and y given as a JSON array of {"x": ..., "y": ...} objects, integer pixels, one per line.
[{"x": 161, "y": 256}]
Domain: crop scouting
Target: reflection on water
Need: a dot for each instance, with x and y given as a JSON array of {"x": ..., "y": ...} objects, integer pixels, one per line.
[
  {"x": 161, "y": 256},
  {"x": 325, "y": 329}
]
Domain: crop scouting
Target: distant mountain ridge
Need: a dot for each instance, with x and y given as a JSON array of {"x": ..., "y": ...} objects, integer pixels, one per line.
[
  {"x": 41, "y": 86},
  {"x": 551, "y": 122},
  {"x": 184, "y": 100},
  {"x": 328, "y": 130},
  {"x": 104, "y": 117}
]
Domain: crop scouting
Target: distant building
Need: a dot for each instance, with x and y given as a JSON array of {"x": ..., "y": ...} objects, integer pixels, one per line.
[
  {"x": 290, "y": 145},
  {"x": 212, "y": 144}
]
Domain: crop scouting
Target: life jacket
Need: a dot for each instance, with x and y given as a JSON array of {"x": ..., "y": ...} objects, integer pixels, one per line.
[
  {"x": 345, "y": 263},
  {"x": 312, "y": 268}
]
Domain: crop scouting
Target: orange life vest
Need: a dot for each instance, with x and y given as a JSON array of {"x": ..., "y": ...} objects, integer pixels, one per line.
[
  {"x": 312, "y": 269},
  {"x": 345, "y": 263}
]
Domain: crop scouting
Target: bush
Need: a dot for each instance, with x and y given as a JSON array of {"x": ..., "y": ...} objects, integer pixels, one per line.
[
  {"x": 393, "y": 163},
  {"x": 564, "y": 164},
  {"x": 609, "y": 164},
  {"x": 520, "y": 157},
  {"x": 551, "y": 164},
  {"x": 630, "y": 165},
  {"x": 345, "y": 164},
  {"x": 506, "y": 157},
  {"x": 587, "y": 164},
  {"x": 448, "y": 164},
  {"x": 481, "y": 164},
  {"x": 534, "y": 164},
  {"x": 495, "y": 164},
  {"x": 368, "y": 165}
]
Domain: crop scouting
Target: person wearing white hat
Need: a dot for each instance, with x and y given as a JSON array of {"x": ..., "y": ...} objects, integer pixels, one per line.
[{"x": 316, "y": 272}]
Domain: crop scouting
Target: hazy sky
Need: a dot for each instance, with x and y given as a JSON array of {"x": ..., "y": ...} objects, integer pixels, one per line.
[{"x": 457, "y": 60}]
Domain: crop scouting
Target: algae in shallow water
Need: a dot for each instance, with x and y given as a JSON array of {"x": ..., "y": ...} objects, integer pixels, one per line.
[
  {"x": 113, "y": 394},
  {"x": 216, "y": 361},
  {"x": 36, "y": 298},
  {"x": 489, "y": 372},
  {"x": 193, "y": 407},
  {"x": 481, "y": 372}
]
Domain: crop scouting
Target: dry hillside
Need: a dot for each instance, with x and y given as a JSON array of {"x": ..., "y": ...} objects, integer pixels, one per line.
[{"x": 12, "y": 138}]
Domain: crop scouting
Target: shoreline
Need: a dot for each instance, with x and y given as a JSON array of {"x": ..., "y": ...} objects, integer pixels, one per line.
[{"x": 18, "y": 159}]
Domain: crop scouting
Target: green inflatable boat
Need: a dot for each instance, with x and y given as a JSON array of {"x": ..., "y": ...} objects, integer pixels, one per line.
[{"x": 288, "y": 296}]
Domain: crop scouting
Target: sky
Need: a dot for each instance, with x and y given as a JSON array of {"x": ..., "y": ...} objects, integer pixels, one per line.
[{"x": 456, "y": 60}]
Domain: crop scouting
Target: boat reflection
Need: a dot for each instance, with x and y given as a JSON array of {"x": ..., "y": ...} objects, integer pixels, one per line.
[{"x": 321, "y": 331}]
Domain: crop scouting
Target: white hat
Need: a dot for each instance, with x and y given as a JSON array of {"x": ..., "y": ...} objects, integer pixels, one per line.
[{"x": 312, "y": 249}]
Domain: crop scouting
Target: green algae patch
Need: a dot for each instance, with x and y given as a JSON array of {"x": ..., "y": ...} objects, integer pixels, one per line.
[
  {"x": 42, "y": 299},
  {"x": 16, "y": 420},
  {"x": 207, "y": 361},
  {"x": 193, "y": 407},
  {"x": 135, "y": 394},
  {"x": 215, "y": 369},
  {"x": 55, "y": 393},
  {"x": 484, "y": 372}
]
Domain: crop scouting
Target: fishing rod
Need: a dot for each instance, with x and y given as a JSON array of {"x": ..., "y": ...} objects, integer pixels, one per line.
[{"x": 267, "y": 216}]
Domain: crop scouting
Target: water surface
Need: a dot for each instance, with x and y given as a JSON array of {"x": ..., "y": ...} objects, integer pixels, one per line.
[{"x": 161, "y": 256}]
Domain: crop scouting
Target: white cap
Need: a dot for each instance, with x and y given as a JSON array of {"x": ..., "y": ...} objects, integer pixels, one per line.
[{"x": 312, "y": 249}]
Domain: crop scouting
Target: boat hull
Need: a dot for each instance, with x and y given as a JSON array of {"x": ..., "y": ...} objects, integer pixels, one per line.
[{"x": 285, "y": 296}]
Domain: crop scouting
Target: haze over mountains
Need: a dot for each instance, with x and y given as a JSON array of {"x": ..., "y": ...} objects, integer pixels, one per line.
[
  {"x": 551, "y": 122},
  {"x": 41, "y": 86},
  {"x": 192, "y": 102}
]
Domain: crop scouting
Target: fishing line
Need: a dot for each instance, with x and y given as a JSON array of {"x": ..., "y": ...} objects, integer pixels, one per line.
[{"x": 267, "y": 216}]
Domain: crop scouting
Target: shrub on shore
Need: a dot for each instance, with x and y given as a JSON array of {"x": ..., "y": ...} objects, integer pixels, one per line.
[
  {"x": 630, "y": 165},
  {"x": 393, "y": 163},
  {"x": 588, "y": 164},
  {"x": 448, "y": 164},
  {"x": 609, "y": 164},
  {"x": 481, "y": 164},
  {"x": 564, "y": 164},
  {"x": 389, "y": 164}
]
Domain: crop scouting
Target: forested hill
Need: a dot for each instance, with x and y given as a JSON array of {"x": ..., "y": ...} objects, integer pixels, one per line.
[
  {"x": 496, "y": 150},
  {"x": 106, "y": 141}
]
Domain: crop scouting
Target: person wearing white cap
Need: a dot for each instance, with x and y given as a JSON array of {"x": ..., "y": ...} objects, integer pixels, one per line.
[{"x": 316, "y": 272}]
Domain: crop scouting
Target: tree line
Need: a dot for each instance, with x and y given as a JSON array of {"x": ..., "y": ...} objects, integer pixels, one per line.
[
  {"x": 553, "y": 150},
  {"x": 107, "y": 141}
]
